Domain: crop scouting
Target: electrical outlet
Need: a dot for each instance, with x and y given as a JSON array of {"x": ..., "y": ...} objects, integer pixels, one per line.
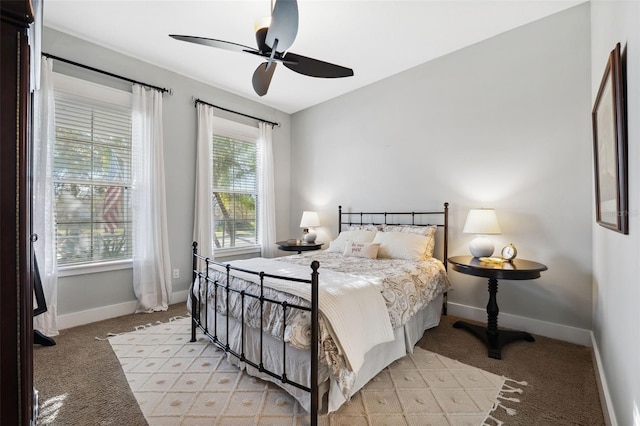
[{"x": 176, "y": 273}]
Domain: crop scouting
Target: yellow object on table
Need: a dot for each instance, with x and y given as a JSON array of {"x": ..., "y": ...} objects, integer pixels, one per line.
[{"x": 492, "y": 260}]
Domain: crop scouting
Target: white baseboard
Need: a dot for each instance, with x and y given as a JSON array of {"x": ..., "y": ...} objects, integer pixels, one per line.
[
  {"x": 75, "y": 319},
  {"x": 566, "y": 333},
  {"x": 605, "y": 397},
  {"x": 178, "y": 296}
]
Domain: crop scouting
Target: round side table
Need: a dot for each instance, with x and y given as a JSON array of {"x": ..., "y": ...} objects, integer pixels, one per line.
[
  {"x": 517, "y": 269},
  {"x": 301, "y": 246}
]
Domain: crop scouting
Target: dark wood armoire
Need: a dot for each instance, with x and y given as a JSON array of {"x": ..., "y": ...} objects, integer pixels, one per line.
[{"x": 16, "y": 297}]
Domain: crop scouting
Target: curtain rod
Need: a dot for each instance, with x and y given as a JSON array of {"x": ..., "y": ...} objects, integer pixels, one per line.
[
  {"x": 57, "y": 58},
  {"x": 200, "y": 101}
]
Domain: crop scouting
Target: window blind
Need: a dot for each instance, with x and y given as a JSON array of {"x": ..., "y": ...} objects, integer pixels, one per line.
[
  {"x": 235, "y": 188},
  {"x": 92, "y": 177}
]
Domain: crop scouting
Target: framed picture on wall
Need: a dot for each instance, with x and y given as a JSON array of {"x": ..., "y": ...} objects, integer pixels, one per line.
[{"x": 610, "y": 147}]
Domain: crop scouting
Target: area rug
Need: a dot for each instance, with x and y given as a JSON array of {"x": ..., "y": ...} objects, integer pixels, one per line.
[{"x": 180, "y": 383}]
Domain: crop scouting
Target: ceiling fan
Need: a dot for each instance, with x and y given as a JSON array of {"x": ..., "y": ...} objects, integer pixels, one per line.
[{"x": 273, "y": 41}]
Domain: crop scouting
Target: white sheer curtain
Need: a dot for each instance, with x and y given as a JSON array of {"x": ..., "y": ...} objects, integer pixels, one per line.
[
  {"x": 203, "y": 214},
  {"x": 151, "y": 263},
  {"x": 266, "y": 192},
  {"x": 44, "y": 213}
]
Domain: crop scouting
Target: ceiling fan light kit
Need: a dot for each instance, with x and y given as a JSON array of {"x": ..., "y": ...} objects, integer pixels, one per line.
[
  {"x": 273, "y": 37},
  {"x": 262, "y": 24}
]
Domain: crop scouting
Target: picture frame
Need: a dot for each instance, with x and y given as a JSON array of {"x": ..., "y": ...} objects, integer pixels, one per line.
[{"x": 610, "y": 147}]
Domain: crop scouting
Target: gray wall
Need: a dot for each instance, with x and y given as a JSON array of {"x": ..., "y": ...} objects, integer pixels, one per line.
[
  {"x": 86, "y": 292},
  {"x": 504, "y": 123},
  {"x": 616, "y": 270}
]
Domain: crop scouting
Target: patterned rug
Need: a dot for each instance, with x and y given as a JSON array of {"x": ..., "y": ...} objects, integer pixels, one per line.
[{"x": 180, "y": 383}]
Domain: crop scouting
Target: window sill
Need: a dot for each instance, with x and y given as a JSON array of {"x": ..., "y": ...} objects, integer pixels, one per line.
[{"x": 67, "y": 271}]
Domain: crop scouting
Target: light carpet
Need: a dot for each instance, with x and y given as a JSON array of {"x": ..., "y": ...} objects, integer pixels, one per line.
[{"x": 177, "y": 382}]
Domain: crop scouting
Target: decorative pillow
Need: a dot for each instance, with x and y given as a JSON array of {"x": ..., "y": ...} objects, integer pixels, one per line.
[
  {"x": 368, "y": 227},
  {"x": 355, "y": 249},
  {"x": 338, "y": 245},
  {"x": 401, "y": 245},
  {"x": 428, "y": 231}
]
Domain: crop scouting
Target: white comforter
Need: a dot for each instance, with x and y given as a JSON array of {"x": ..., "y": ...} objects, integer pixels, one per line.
[{"x": 350, "y": 304}]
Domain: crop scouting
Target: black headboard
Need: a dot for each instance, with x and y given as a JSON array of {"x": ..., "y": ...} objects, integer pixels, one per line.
[{"x": 439, "y": 218}]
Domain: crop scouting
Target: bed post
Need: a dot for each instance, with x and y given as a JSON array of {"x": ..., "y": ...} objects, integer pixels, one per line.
[
  {"x": 339, "y": 219},
  {"x": 315, "y": 394},
  {"x": 446, "y": 234},
  {"x": 194, "y": 300},
  {"x": 446, "y": 252}
]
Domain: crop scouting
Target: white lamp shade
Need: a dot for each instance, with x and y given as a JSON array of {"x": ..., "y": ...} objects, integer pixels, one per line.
[
  {"x": 481, "y": 221},
  {"x": 309, "y": 219},
  {"x": 484, "y": 222}
]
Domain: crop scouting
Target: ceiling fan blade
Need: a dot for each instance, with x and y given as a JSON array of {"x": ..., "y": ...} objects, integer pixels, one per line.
[
  {"x": 262, "y": 77},
  {"x": 284, "y": 25},
  {"x": 211, "y": 42},
  {"x": 315, "y": 68}
]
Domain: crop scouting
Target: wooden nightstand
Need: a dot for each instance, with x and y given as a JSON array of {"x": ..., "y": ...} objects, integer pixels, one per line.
[
  {"x": 517, "y": 269},
  {"x": 299, "y": 246}
]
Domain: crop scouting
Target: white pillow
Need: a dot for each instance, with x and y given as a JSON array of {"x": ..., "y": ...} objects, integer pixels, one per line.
[
  {"x": 338, "y": 245},
  {"x": 355, "y": 249},
  {"x": 428, "y": 231},
  {"x": 411, "y": 229},
  {"x": 401, "y": 245}
]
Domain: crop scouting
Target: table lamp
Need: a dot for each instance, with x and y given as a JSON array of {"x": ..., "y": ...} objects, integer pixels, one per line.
[
  {"x": 482, "y": 222},
  {"x": 308, "y": 221}
]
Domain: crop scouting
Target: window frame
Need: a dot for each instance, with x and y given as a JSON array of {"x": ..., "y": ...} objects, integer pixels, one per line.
[
  {"x": 106, "y": 95},
  {"x": 247, "y": 133}
]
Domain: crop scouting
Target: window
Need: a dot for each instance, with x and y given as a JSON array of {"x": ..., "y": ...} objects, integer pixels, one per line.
[
  {"x": 92, "y": 172},
  {"x": 235, "y": 185}
]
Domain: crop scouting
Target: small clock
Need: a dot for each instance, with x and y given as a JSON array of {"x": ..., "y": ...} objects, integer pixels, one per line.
[{"x": 509, "y": 252}]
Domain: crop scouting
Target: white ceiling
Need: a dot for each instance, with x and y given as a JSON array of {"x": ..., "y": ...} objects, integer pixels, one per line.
[{"x": 375, "y": 38}]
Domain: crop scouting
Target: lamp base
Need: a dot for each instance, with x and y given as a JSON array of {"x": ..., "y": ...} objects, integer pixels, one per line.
[
  {"x": 481, "y": 247},
  {"x": 309, "y": 236}
]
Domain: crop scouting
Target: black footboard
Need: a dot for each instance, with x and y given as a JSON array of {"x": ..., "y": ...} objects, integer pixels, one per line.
[{"x": 200, "y": 319}]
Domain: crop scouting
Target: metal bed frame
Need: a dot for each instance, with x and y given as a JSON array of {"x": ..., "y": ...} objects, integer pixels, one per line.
[{"x": 200, "y": 319}]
